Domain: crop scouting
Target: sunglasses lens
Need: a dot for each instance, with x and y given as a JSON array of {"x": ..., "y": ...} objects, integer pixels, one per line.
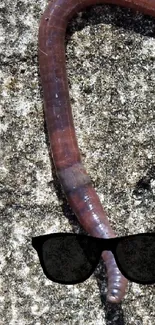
[
  {"x": 136, "y": 257},
  {"x": 69, "y": 258}
]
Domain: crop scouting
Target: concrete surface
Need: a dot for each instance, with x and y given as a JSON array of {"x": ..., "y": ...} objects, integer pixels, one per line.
[{"x": 111, "y": 68}]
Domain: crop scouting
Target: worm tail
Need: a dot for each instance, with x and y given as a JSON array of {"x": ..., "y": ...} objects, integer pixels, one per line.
[{"x": 117, "y": 283}]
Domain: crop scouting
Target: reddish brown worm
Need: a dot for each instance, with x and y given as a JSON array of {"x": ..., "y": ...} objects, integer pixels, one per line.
[{"x": 58, "y": 114}]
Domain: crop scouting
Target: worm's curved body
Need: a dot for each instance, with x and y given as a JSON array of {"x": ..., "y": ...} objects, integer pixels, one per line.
[{"x": 64, "y": 148}]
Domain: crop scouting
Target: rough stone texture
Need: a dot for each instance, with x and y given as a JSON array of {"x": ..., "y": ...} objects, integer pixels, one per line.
[{"x": 111, "y": 68}]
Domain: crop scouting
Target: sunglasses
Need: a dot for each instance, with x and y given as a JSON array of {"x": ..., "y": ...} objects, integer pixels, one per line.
[{"x": 69, "y": 258}]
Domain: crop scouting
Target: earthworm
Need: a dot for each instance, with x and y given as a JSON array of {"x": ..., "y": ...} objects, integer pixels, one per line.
[{"x": 73, "y": 177}]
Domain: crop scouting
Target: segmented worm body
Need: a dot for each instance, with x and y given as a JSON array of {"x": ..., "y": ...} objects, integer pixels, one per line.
[{"x": 73, "y": 177}]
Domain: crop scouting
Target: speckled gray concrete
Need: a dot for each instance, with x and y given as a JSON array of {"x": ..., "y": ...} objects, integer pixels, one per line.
[{"x": 111, "y": 68}]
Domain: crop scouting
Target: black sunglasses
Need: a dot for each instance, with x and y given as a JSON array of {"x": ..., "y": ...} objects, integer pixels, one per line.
[{"x": 69, "y": 258}]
